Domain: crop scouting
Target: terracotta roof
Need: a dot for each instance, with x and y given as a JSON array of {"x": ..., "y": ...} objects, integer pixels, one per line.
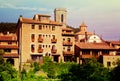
[
  {"x": 8, "y": 46},
  {"x": 114, "y": 42},
  {"x": 28, "y": 20},
  {"x": 12, "y": 55},
  {"x": 83, "y": 33},
  {"x": 100, "y": 46},
  {"x": 8, "y": 38},
  {"x": 83, "y": 24}
]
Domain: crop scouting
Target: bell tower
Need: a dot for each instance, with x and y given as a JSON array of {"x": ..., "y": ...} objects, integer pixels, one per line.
[{"x": 60, "y": 15}]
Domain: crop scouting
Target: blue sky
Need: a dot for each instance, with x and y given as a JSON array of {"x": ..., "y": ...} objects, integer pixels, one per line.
[{"x": 101, "y": 16}]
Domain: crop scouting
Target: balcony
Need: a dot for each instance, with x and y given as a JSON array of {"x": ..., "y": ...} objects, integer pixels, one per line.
[
  {"x": 40, "y": 40},
  {"x": 8, "y": 47},
  {"x": 67, "y": 52},
  {"x": 32, "y": 39},
  {"x": 67, "y": 43},
  {"x": 53, "y": 50},
  {"x": 53, "y": 40},
  {"x": 40, "y": 50},
  {"x": 67, "y": 34},
  {"x": 11, "y": 55}
]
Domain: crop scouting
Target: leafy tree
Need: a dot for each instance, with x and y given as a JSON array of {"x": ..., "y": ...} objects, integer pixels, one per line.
[
  {"x": 5, "y": 27},
  {"x": 90, "y": 70},
  {"x": 7, "y": 72},
  {"x": 115, "y": 72}
]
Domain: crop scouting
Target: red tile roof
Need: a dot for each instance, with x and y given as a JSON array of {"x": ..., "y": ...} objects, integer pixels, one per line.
[
  {"x": 100, "y": 46},
  {"x": 115, "y": 42},
  {"x": 28, "y": 20},
  {"x": 12, "y": 55},
  {"x": 83, "y": 33}
]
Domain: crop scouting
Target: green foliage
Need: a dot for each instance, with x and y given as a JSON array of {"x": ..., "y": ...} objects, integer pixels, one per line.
[
  {"x": 115, "y": 72},
  {"x": 1, "y": 56},
  {"x": 36, "y": 67},
  {"x": 90, "y": 70},
  {"x": 7, "y": 72}
]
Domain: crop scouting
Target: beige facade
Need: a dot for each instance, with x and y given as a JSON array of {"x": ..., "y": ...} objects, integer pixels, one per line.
[
  {"x": 9, "y": 43},
  {"x": 40, "y": 36},
  {"x": 110, "y": 60}
]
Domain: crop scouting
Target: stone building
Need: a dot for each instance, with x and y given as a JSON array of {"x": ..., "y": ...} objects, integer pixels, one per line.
[
  {"x": 90, "y": 45},
  {"x": 40, "y": 36},
  {"x": 9, "y": 43}
]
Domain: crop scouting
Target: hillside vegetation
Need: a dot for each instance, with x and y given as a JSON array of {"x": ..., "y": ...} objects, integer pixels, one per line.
[{"x": 5, "y": 27}]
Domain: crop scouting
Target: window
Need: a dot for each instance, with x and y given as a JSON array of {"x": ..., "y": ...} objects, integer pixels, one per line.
[
  {"x": 32, "y": 37},
  {"x": 40, "y": 39},
  {"x": 53, "y": 47},
  {"x": 68, "y": 39},
  {"x": 49, "y": 46},
  {"x": 11, "y": 61},
  {"x": 33, "y": 26},
  {"x": 53, "y": 36},
  {"x": 40, "y": 27},
  {"x": 32, "y": 48},
  {"x": 7, "y": 50},
  {"x": 62, "y": 18},
  {"x": 53, "y": 27},
  {"x": 9, "y": 42},
  {"x": 108, "y": 64},
  {"x": 68, "y": 49},
  {"x": 63, "y": 39}
]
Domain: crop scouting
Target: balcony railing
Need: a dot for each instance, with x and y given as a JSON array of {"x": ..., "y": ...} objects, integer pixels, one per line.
[
  {"x": 67, "y": 33},
  {"x": 53, "y": 50},
  {"x": 67, "y": 43},
  {"x": 53, "y": 40},
  {"x": 40, "y": 50},
  {"x": 32, "y": 39},
  {"x": 67, "y": 52},
  {"x": 8, "y": 46},
  {"x": 40, "y": 40}
]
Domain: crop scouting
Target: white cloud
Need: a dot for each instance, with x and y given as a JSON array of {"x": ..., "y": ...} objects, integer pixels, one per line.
[{"x": 8, "y": 5}]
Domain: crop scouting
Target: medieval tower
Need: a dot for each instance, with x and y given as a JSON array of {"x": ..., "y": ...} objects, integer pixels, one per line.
[{"x": 60, "y": 15}]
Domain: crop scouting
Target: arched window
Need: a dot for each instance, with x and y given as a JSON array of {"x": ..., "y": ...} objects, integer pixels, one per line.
[{"x": 62, "y": 18}]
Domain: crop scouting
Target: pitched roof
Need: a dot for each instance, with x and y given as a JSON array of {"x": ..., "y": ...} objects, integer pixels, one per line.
[
  {"x": 28, "y": 20},
  {"x": 99, "y": 46},
  {"x": 114, "y": 42},
  {"x": 83, "y": 33},
  {"x": 83, "y": 24}
]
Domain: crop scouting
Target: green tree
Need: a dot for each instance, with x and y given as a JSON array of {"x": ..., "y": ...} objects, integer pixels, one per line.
[
  {"x": 90, "y": 70},
  {"x": 115, "y": 72},
  {"x": 7, "y": 72}
]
